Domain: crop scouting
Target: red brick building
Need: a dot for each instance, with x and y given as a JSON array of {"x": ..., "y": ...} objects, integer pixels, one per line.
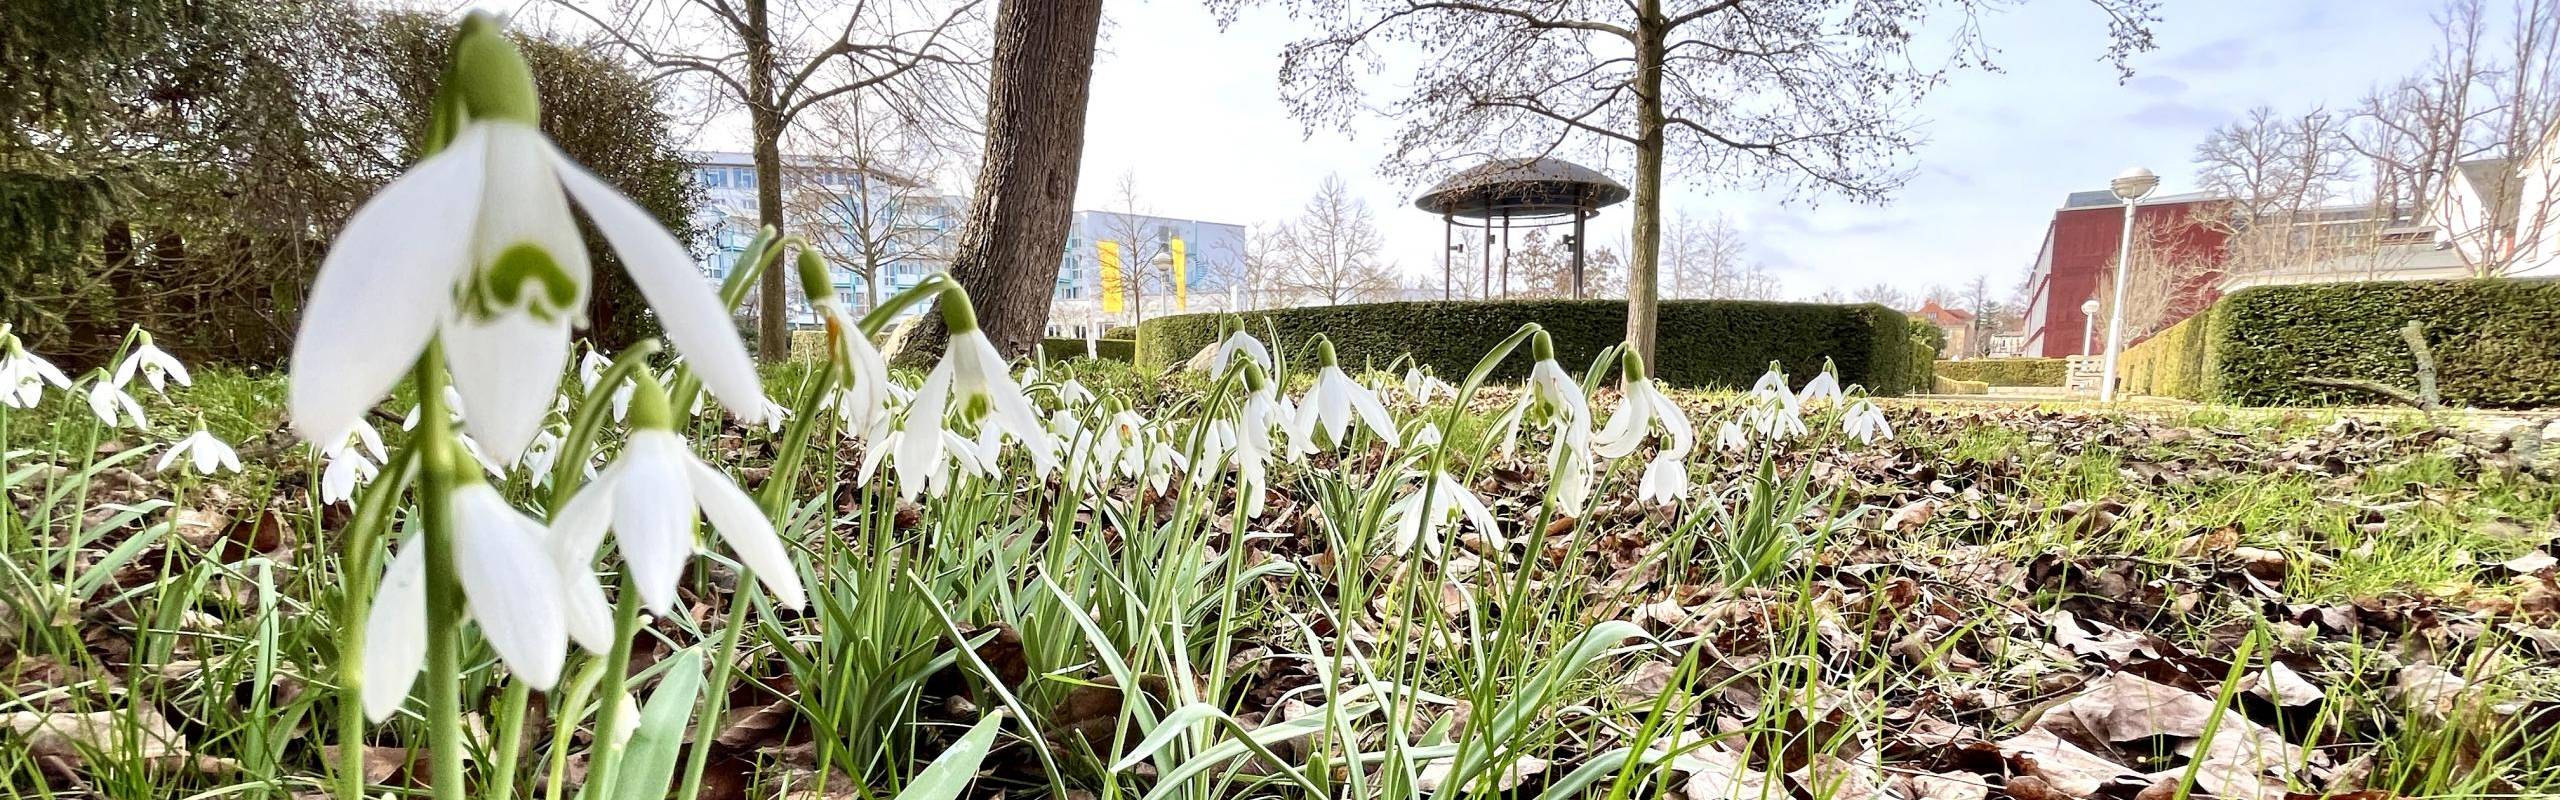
[{"x": 2079, "y": 250}]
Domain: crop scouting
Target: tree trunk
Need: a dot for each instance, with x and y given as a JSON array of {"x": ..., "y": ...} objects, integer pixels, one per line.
[
  {"x": 764, "y": 122},
  {"x": 1644, "y": 286},
  {"x": 1009, "y": 252}
]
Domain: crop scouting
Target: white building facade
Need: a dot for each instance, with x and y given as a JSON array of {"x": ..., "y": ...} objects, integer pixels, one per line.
[
  {"x": 854, "y": 216},
  {"x": 1120, "y": 268}
]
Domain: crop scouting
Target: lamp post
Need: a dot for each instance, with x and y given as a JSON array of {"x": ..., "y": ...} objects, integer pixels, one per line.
[
  {"x": 2088, "y": 324},
  {"x": 2130, "y": 186}
]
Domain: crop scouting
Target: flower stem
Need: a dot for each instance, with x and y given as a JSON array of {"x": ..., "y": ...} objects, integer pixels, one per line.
[
  {"x": 358, "y": 568},
  {"x": 444, "y": 589},
  {"x": 606, "y": 754}
]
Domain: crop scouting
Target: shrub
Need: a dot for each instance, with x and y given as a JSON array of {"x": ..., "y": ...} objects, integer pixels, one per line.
[
  {"x": 1121, "y": 350},
  {"x": 2176, "y": 362},
  {"x": 1725, "y": 343},
  {"x": 2496, "y": 342},
  {"x": 1947, "y": 385},
  {"x": 2008, "y": 371}
]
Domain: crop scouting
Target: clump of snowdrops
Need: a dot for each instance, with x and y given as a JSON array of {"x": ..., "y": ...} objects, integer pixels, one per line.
[{"x": 474, "y": 560}]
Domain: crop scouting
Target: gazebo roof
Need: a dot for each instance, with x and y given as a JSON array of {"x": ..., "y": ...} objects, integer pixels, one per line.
[{"x": 1521, "y": 187}]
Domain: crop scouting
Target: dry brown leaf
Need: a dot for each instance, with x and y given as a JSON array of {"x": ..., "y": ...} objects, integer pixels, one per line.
[
  {"x": 1947, "y": 786},
  {"x": 2061, "y": 766},
  {"x": 1716, "y": 773},
  {"x": 2280, "y": 685}
]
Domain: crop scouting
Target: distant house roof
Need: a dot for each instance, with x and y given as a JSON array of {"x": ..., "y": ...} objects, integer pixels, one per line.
[
  {"x": 1942, "y": 315},
  {"x": 2500, "y": 189},
  {"x": 2102, "y": 197}
]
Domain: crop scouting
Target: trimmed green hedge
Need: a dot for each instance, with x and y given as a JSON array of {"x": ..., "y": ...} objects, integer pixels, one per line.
[
  {"x": 2008, "y": 371},
  {"x": 2496, "y": 342},
  {"x": 1726, "y": 343},
  {"x": 2176, "y": 362},
  {"x": 1122, "y": 350},
  {"x": 1947, "y": 385}
]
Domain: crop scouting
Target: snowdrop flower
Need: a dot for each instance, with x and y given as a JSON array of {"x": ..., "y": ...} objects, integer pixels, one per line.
[
  {"x": 113, "y": 406},
  {"x": 348, "y": 465},
  {"x": 1665, "y": 479},
  {"x": 972, "y": 383},
  {"x": 1775, "y": 421},
  {"x": 205, "y": 454},
  {"x": 528, "y": 599},
  {"x": 1331, "y": 403},
  {"x": 1427, "y": 436},
  {"x": 1162, "y": 464},
  {"x": 24, "y": 374},
  {"x": 1074, "y": 393},
  {"x": 1252, "y": 449},
  {"x": 957, "y": 456},
  {"x": 1824, "y": 387},
  {"x": 1422, "y": 386},
  {"x": 153, "y": 364},
  {"x": 591, "y": 368},
  {"x": 1866, "y": 423},
  {"x": 344, "y": 472},
  {"x": 542, "y": 457},
  {"x": 1413, "y": 521},
  {"x": 651, "y": 495},
  {"x": 1772, "y": 387},
  {"x": 1551, "y": 399},
  {"x": 1119, "y": 446},
  {"x": 1642, "y": 408},
  {"x": 475, "y": 246},
  {"x": 1731, "y": 438},
  {"x": 1236, "y": 344},
  {"x": 452, "y": 410}
]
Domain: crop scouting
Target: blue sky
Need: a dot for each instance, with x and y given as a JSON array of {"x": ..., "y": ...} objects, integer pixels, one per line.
[{"x": 1193, "y": 112}]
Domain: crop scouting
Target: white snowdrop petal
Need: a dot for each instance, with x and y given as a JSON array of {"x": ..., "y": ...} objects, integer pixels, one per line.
[
  {"x": 666, "y": 275},
  {"x": 653, "y": 516},
  {"x": 512, "y": 585},
  {"x": 507, "y": 369},
  {"x": 744, "y": 528},
  {"x": 920, "y": 443},
  {"x": 384, "y": 287},
  {"x": 395, "y": 633}
]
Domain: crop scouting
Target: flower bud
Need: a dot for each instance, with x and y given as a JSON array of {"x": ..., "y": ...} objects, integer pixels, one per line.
[
  {"x": 650, "y": 409},
  {"x": 496, "y": 83},
  {"x": 957, "y": 314},
  {"x": 815, "y": 283},
  {"x": 1631, "y": 365}
]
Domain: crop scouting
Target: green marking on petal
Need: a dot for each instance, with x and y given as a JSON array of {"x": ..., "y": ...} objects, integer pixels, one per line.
[{"x": 503, "y": 285}]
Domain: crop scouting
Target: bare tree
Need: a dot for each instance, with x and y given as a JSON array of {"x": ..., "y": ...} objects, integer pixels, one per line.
[
  {"x": 1757, "y": 282},
  {"x": 1811, "y": 95},
  {"x": 2478, "y": 100},
  {"x": 871, "y": 202},
  {"x": 1333, "y": 252},
  {"x": 1986, "y": 311},
  {"x": 779, "y": 58},
  {"x": 1144, "y": 243},
  {"x": 1883, "y": 294}
]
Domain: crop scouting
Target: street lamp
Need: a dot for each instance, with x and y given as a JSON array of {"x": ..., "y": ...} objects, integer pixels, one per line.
[
  {"x": 1163, "y": 262},
  {"x": 2130, "y": 186},
  {"x": 2088, "y": 324}
]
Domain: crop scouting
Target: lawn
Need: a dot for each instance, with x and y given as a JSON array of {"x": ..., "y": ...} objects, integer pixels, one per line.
[{"x": 1997, "y": 601}]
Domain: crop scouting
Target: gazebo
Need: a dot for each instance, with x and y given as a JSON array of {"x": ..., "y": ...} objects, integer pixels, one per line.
[{"x": 1521, "y": 192}]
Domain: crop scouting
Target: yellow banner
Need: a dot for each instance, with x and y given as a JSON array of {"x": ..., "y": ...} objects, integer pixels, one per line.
[
  {"x": 1181, "y": 282},
  {"x": 1109, "y": 253}
]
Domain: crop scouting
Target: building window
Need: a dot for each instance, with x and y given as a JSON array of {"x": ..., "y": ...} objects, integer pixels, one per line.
[
  {"x": 714, "y": 178},
  {"x": 746, "y": 177}
]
